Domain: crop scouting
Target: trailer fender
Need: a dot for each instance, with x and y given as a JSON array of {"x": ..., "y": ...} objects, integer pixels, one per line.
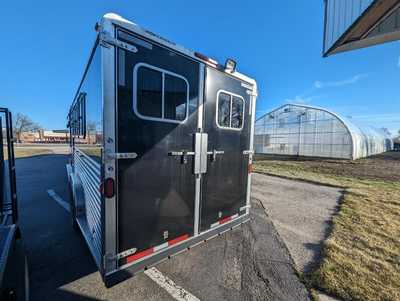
[
  {"x": 77, "y": 196},
  {"x": 69, "y": 172}
]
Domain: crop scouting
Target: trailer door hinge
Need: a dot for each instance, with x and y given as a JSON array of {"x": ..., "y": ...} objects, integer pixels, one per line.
[
  {"x": 109, "y": 259},
  {"x": 126, "y": 253},
  {"x": 106, "y": 41},
  {"x": 121, "y": 156}
]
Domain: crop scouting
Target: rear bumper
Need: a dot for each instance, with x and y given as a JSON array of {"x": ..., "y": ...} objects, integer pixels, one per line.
[{"x": 129, "y": 270}]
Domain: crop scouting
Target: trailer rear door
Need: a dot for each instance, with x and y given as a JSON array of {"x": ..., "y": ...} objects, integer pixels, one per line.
[
  {"x": 227, "y": 122},
  {"x": 157, "y": 118}
]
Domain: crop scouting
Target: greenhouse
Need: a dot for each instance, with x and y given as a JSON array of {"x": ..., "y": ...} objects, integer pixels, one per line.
[{"x": 300, "y": 130}]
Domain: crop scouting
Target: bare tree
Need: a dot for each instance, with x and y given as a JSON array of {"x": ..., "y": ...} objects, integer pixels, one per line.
[
  {"x": 23, "y": 123},
  {"x": 91, "y": 132}
]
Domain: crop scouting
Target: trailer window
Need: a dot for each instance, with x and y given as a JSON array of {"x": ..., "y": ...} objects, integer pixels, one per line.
[
  {"x": 149, "y": 92},
  {"x": 230, "y": 110},
  {"x": 175, "y": 98},
  {"x": 237, "y": 112},
  {"x": 160, "y": 94},
  {"x": 224, "y": 109},
  {"x": 77, "y": 116}
]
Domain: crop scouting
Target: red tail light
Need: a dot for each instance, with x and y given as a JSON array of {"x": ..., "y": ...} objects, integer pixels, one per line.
[
  {"x": 108, "y": 188},
  {"x": 250, "y": 168}
]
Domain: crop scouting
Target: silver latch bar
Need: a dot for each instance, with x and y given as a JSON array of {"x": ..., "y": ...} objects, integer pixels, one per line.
[
  {"x": 248, "y": 152},
  {"x": 183, "y": 155},
  {"x": 106, "y": 39},
  {"x": 122, "y": 156},
  {"x": 214, "y": 154}
]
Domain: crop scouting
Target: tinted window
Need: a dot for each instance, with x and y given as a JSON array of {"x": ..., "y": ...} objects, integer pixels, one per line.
[
  {"x": 224, "y": 109},
  {"x": 161, "y": 94},
  {"x": 237, "y": 112},
  {"x": 230, "y": 111},
  {"x": 175, "y": 98},
  {"x": 149, "y": 92}
]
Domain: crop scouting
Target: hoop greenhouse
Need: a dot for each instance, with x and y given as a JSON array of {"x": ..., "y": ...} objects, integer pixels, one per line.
[{"x": 300, "y": 130}]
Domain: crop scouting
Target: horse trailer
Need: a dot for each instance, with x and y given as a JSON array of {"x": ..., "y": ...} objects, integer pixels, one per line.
[{"x": 161, "y": 149}]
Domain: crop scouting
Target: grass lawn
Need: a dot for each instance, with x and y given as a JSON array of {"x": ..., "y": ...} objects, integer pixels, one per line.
[
  {"x": 28, "y": 152},
  {"x": 361, "y": 257}
]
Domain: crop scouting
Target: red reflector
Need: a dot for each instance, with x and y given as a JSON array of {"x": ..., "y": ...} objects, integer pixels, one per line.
[
  {"x": 225, "y": 220},
  {"x": 250, "y": 168},
  {"x": 108, "y": 187},
  {"x": 139, "y": 255},
  {"x": 178, "y": 239}
]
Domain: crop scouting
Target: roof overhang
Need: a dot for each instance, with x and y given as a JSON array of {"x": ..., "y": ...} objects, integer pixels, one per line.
[{"x": 365, "y": 31}]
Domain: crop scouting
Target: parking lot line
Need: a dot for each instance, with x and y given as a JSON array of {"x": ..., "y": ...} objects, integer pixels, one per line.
[
  {"x": 58, "y": 199},
  {"x": 174, "y": 290},
  {"x": 177, "y": 292}
]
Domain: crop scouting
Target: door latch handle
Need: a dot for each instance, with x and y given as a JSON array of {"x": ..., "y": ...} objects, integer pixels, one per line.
[
  {"x": 214, "y": 154},
  {"x": 248, "y": 152},
  {"x": 183, "y": 155}
]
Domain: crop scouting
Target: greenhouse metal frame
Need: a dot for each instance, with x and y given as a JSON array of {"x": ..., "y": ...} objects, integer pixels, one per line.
[{"x": 301, "y": 130}]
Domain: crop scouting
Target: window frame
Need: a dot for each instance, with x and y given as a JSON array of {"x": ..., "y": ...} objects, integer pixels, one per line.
[
  {"x": 78, "y": 117},
  {"x": 163, "y": 72},
  {"x": 230, "y": 111}
]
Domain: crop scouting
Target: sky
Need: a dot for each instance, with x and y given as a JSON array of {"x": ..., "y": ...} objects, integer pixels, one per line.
[{"x": 46, "y": 44}]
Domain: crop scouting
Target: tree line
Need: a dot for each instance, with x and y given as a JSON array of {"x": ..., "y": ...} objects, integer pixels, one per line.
[{"x": 23, "y": 123}]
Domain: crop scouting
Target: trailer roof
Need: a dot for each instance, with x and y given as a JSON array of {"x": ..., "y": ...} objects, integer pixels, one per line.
[{"x": 120, "y": 21}]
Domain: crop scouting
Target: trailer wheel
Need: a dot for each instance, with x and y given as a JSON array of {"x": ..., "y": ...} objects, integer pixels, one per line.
[{"x": 74, "y": 223}]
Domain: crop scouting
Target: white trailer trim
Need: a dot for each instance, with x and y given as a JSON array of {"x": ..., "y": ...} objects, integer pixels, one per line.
[{"x": 120, "y": 21}]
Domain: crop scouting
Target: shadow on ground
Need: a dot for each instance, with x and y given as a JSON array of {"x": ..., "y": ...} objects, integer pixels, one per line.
[{"x": 249, "y": 263}]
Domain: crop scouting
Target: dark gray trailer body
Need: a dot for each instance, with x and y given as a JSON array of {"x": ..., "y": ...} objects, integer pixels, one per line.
[{"x": 161, "y": 149}]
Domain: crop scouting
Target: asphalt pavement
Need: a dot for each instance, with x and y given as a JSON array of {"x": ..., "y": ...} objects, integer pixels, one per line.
[
  {"x": 248, "y": 263},
  {"x": 301, "y": 212}
]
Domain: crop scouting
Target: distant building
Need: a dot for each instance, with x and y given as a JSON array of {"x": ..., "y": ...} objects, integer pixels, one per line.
[
  {"x": 299, "y": 130},
  {"x": 29, "y": 137},
  {"x": 45, "y": 136}
]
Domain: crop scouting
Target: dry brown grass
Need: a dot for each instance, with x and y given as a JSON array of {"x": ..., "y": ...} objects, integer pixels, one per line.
[
  {"x": 362, "y": 254},
  {"x": 28, "y": 152}
]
